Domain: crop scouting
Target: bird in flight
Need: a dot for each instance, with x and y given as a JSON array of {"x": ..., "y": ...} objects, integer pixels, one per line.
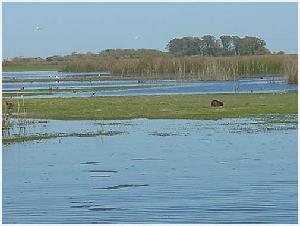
[
  {"x": 39, "y": 28},
  {"x": 136, "y": 37}
]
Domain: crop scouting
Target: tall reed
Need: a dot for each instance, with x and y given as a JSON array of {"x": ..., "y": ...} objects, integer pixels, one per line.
[
  {"x": 290, "y": 69},
  {"x": 195, "y": 67},
  {"x": 166, "y": 66}
]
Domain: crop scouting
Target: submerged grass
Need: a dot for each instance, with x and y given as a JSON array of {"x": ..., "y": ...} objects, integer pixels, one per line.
[
  {"x": 35, "y": 92},
  {"x": 194, "y": 106},
  {"x": 10, "y": 140}
]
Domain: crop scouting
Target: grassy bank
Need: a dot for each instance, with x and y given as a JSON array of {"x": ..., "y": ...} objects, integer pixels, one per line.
[
  {"x": 160, "y": 107},
  {"x": 31, "y": 67}
]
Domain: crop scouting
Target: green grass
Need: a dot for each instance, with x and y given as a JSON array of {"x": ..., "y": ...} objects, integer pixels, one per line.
[
  {"x": 31, "y": 67},
  {"x": 11, "y": 140},
  {"x": 161, "y": 107},
  {"x": 14, "y": 94}
]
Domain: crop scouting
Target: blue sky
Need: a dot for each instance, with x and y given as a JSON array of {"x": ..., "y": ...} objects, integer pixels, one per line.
[{"x": 83, "y": 27}]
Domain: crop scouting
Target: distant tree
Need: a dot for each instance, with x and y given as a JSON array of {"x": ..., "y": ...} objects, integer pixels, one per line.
[
  {"x": 55, "y": 58},
  {"x": 263, "y": 51},
  {"x": 227, "y": 45},
  {"x": 184, "y": 46},
  {"x": 212, "y": 46},
  {"x": 249, "y": 46},
  {"x": 237, "y": 44},
  {"x": 209, "y": 45}
]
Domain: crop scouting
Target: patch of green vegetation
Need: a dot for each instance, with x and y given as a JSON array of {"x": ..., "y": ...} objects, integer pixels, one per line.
[
  {"x": 10, "y": 140},
  {"x": 14, "y": 94},
  {"x": 83, "y": 79},
  {"x": 36, "y": 92},
  {"x": 31, "y": 67},
  {"x": 195, "y": 106}
]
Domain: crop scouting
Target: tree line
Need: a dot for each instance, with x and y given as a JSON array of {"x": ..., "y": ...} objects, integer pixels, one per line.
[
  {"x": 226, "y": 45},
  {"x": 206, "y": 45}
]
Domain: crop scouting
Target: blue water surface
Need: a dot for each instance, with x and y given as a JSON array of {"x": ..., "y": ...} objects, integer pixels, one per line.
[{"x": 157, "y": 171}]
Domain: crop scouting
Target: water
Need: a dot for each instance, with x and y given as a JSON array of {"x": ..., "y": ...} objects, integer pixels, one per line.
[
  {"x": 159, "y": 171},
  {"x": 158, "y": 87},
  {"x": 47, "y": 74},
  {"x": 70, "y": 84},
  {"x": 161, "y": 87}
]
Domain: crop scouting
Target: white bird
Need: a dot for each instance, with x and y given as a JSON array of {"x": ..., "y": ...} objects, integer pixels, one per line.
[
  {"x": 136, "y": 37},
  {"x": 38, "y": 28}
]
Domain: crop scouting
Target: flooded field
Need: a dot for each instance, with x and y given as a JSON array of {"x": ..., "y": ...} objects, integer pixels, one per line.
[
  {"x": 134, "y": 87},
  {"x": 154, "y": 171},
  {"x": 47, "y": 74}
]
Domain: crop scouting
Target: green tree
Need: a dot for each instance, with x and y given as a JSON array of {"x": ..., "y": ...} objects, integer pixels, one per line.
[
  {"x": 184, "y": 46},
  {"x": 211, "y": 46},
  {"x": 227, "y": 45}
]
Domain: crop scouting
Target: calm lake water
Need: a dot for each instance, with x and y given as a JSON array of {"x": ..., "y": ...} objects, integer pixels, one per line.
[{"x": 157, "y": 171}]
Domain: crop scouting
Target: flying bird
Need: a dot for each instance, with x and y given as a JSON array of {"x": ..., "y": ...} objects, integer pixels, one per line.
[
  {"x": 136, "y": 37},
  {"x": 38, "y": 28}
]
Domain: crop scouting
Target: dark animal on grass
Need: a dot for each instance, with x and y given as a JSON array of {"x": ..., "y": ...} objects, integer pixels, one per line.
[
  {"x": 9, "y": 106},
  {"x": 216, "y": 103}
]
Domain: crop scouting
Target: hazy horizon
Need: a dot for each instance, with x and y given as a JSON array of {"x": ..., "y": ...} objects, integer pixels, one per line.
[{"x": 44, "y": 29}]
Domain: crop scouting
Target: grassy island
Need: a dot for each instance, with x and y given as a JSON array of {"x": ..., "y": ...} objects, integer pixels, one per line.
[{"x": 195, "y": 106}]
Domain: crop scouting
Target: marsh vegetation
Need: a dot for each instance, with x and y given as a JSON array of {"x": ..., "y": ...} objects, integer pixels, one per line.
[
  {"x": 200, "y": 58},
  {"x": 185, "y": 68},
  {"x": 161, "y": 107}
]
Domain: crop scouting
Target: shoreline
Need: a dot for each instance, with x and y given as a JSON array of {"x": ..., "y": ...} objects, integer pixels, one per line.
[{"x": 162, "y": 77}]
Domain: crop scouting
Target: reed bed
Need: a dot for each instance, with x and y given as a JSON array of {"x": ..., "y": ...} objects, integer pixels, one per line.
[
  {"x": 290, "y": 69},
  {"x": 166, "y": 66},
  {"x": 194, "y": 67}
]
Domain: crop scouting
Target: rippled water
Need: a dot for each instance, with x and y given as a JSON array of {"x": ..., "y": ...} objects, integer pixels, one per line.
[{"x": 160, "y": 171}]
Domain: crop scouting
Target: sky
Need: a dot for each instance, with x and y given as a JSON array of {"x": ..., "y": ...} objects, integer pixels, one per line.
[{"x": 45, "y": 29}]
